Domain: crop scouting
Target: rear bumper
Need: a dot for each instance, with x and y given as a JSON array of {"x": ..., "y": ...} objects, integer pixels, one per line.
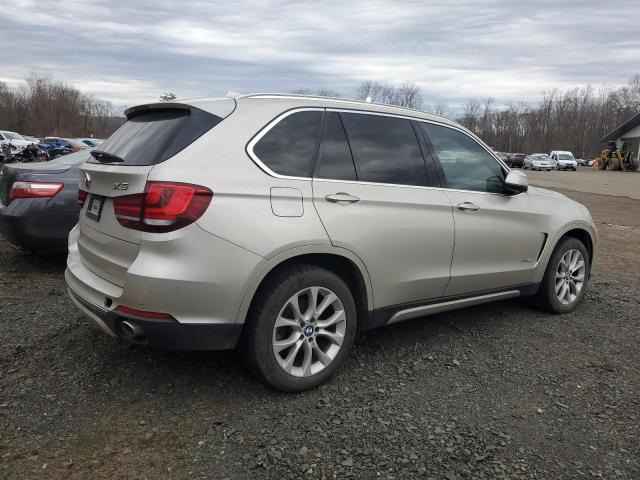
[
  {"x": 165, "y": 334},
  {"x": 28, "y": 224},
  {"x": 197, "y": 278}
]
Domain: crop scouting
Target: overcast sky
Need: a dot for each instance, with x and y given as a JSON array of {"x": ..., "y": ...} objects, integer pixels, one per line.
[{"x": 453, "y": 50}]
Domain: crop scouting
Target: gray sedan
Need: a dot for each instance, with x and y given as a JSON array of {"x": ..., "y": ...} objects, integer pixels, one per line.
[{"x": 39, "y": 202}]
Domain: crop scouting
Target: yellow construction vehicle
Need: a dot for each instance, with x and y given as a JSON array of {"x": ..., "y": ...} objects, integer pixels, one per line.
[{"x": 614, "y": 158}]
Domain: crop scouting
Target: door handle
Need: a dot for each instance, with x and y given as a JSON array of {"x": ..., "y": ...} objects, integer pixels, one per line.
[
  {"x": 468, "y": 206},
  {"x": 342, "y": 198}
]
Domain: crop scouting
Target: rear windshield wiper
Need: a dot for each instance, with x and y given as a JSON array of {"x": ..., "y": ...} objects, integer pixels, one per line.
[{"x": 106, "y": 156}]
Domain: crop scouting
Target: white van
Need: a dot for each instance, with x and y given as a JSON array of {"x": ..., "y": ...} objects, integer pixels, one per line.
[{"x": 563, "y": 160}]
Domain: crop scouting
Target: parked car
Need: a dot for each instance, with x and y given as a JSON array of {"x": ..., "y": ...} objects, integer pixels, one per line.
[
  {"x": 257, "y": 222},
  {"x": 537, "y": 161},
  {"x": 516, "y": 160},
  {"x": 13, "y": 138},
  {"x": 92, "y": 142},
  {"x": 39, "y": 202},
  {"x": 563, "y": 160},
  {"x": 503, "y": 156},
  {"x": 71, "y": 144}
]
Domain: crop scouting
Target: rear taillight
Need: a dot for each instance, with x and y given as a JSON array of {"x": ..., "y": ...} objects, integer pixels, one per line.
[
  {"x": 163, "y": 207},
  {"x": 82, "y": 196},
  {"x": 34, "y": 189}
]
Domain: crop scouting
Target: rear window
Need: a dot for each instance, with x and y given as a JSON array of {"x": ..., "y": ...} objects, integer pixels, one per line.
[{"x": 153, "y": 136}]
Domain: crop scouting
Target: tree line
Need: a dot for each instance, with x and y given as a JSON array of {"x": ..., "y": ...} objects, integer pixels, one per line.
[
  {"x": 43, "y": 106},
  {"x": 573, "y": 119}
]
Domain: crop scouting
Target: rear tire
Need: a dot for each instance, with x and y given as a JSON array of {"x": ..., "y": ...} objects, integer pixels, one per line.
[
  {"x": 563, "y": 285},
  {"x": 312, "y": 354}
]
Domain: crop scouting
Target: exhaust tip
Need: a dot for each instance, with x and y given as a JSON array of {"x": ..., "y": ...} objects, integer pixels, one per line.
[{"x": 131, "y": 330}]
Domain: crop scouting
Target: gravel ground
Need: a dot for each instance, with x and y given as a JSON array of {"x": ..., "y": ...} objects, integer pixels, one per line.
[{"x": 495, "y": 391}]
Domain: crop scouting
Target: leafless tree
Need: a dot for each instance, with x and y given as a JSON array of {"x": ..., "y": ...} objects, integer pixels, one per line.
[
  {"x": 406, "y": 95},
  {"x": 43, "y": 106},
  {"x": 440, "y": 109},
  {"x": 572, "y": 120},
  {"x": 318, "y": 92}
]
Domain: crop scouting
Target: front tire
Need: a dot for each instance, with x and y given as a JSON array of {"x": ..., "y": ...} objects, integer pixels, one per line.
[
  {"x": 300, "y": 328},
  {"x": 565, "y": 278}
]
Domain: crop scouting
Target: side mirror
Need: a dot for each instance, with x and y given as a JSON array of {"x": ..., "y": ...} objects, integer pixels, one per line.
[{"x": 516, "y": 182}]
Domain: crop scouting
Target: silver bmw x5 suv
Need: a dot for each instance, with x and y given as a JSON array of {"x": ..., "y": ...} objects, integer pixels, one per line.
[{"x": 286, "y": 224}]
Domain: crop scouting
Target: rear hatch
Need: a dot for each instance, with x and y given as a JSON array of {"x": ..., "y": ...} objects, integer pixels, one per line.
[{"x": 120, "y": 167}]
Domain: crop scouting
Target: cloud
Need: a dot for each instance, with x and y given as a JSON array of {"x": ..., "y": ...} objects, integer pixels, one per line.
[{"x": 134, "y": 51}]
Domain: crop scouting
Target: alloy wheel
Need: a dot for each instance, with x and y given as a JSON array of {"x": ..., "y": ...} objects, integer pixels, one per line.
[
  {"x": 570, "y": 276},
  {"x": 309, "y": 331}
]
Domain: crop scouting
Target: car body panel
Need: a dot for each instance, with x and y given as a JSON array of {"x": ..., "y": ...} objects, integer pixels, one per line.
[
  {"x": 496, "y": 245},
  {"x": 268, "y": 265},
  {"x": 418, "y": 223}
]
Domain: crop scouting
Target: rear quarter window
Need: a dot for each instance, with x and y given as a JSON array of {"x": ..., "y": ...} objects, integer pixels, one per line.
[
  {"x": 289, "y": 147},
  {"x": 153, "y": 136}
]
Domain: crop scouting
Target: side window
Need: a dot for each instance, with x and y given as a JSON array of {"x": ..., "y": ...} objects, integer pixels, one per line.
[
  {"x": 336, "y": 162},
  {"x": 466, "y": 165},
  {"x": 288, "y": 148},
  {"x": 385, "y": 149}
]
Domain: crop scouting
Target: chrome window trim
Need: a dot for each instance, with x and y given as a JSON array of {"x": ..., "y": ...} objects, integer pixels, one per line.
[
  {"x": 444, "y": 189},
  {"x": 283, "y": 115},
  {"x": 252, "y": 143}
]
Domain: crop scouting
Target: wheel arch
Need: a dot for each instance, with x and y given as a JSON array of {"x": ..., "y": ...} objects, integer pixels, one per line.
[
  {"x": 343, "y": 262},
  {"x": 583, "y": 232},
  {"x": 582, "y": 235}
]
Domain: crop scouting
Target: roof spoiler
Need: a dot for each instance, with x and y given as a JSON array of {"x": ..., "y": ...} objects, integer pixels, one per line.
[{"x": 133, "y": 111}]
